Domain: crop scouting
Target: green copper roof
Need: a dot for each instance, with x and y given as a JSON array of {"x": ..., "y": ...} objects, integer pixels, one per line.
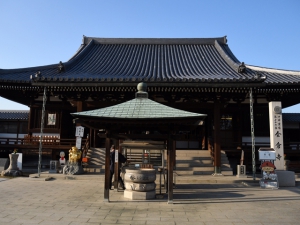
[{"x": 139, "y": 108}]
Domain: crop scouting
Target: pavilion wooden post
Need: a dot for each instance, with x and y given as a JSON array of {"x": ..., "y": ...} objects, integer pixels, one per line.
[
  {"x": 91, "y": 137},
  {"x": 95, "y": 138},
  {"x": 116, "y": 174},
  {"x": 107, "y": 170},
  {"x": 170, "y": 170},
  {"x": 217, "y": 139}
]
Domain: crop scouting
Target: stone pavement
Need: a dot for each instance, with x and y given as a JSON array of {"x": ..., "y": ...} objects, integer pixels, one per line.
[{"x": 206, "y": 200}]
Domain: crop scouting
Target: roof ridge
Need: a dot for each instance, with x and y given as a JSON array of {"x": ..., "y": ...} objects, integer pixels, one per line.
[
  {"x": 169, "y": 41},
  {"x": 79, "y": 54},
  {"x": 272, "y": 70},
  {"x": 226, "y": 57}
]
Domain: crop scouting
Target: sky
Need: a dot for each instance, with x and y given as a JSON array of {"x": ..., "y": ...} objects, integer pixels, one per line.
[{"x": 35, "y": 33}]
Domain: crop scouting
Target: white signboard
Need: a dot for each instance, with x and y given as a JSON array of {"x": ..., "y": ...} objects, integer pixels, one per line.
[
  {"x": 51, "y": 119},
  {"x": 78, "y": 142},
  {"x": 79, "y": 131},
  {"x": 116, "y": 156},
  {"x": 276, "y": 133}
]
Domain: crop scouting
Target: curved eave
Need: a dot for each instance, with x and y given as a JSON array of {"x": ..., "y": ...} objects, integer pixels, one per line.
[
  {"x": 138, "y": 109},
  {"x": 277, "y": 76},
  {"x": 112, "y": 119},
  {"x": 22, "y": 75}
]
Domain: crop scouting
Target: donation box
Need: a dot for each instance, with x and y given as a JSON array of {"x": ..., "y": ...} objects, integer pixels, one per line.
[{"x": 267, "y": 157}]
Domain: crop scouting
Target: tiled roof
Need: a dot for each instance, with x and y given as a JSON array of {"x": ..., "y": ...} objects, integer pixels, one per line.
[
  {"x": 111, "y": 60},
  {"x": 291, "y": 117},
  {"x": 139, "y": 108},
  {"x": 14, "y": 114}
]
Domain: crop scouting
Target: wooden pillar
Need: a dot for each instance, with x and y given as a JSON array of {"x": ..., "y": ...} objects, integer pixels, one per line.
[
  {"x": 107, "y": 170},
  {"x": 170, "y": 170},
  {"x": 116, "y": 174},
  {"x": 79, "y": 109},
  {"x": 217, "y": 139},
  {"x": 174, "y": 154},
  {"x": 95, "y": 138},
  {"x": 91, "y": 137},
  {"x": 30, "y": 120},
  {"x": 239, "y": 128}
]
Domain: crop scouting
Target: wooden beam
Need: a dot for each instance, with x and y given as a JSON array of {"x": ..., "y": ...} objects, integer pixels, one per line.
[
  {"x": 135, "y": 136},
  {"x": 150, "y": 84}
]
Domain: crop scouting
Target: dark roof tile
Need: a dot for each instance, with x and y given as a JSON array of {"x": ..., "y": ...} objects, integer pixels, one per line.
[
  {"x": 152, "y": 60},
  {"x": 14, "y": 114}
]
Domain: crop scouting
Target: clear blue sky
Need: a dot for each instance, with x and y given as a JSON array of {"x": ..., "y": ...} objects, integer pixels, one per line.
[{"x": 262, "y": 33}]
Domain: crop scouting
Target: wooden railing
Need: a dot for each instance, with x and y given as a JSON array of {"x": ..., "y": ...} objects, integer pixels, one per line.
[{"x": 35, "y": 140}]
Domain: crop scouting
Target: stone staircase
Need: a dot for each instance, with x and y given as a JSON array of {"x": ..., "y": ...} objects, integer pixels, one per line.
[
  {"x": 188, "y": 162},
  {"x": 225, "y": 166},
  {"x": 199, "y": 162},
  {"x": 96, "y": 163}
]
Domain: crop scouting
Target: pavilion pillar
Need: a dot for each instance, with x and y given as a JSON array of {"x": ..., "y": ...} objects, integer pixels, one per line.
[
  {"x": 116, "y": 174},
  {"x": 95, "y": 138},
  {"x": 170, "y": 170},
  {"x": 107, "y": 169},
  {"x": 217, "y": 139},
  {"x": 91, "y": 137}
]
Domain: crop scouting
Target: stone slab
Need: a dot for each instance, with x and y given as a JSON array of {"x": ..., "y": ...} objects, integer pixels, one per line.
[
  {"x": 4, "y": 163},
  {"x": 138, "y": 195},
  {"x": 286, "y": 178}
]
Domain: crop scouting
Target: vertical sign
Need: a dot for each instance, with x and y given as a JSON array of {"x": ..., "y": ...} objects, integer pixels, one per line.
[
  {"x": 276, "y": 134},
  {"x": 79, "y": 131},
  {"x": 116, "y": 156},
  {"x": 79, "y": 134},
  {"x": 78, "y": 142}
]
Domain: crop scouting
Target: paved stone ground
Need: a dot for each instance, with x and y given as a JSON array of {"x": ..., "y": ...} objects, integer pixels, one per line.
[{"x": 68, "y": 202}]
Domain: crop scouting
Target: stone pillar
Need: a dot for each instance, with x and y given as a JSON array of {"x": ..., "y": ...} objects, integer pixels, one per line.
[
  {"x": 276, "y": 133},
  {"x": 13, "y": 169}
]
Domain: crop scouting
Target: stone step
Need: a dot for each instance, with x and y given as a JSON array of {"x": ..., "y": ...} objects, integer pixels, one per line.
[
  {"x": 193, "y": 164},
  {"x": 204, "y": 154},
  {"x": 192, "y": 158},
  {"x": 96, "y": 163},
  {"x": 94, "y": 170},
  {"x": 204, "y": 168},
  {"x": 225, "y": 166},
  {"x": 227, "y": 173},
  {"x": 192, "y": 151},
  {"x": 182, "y": 173},
  {"x": 94, "y": 166}
]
